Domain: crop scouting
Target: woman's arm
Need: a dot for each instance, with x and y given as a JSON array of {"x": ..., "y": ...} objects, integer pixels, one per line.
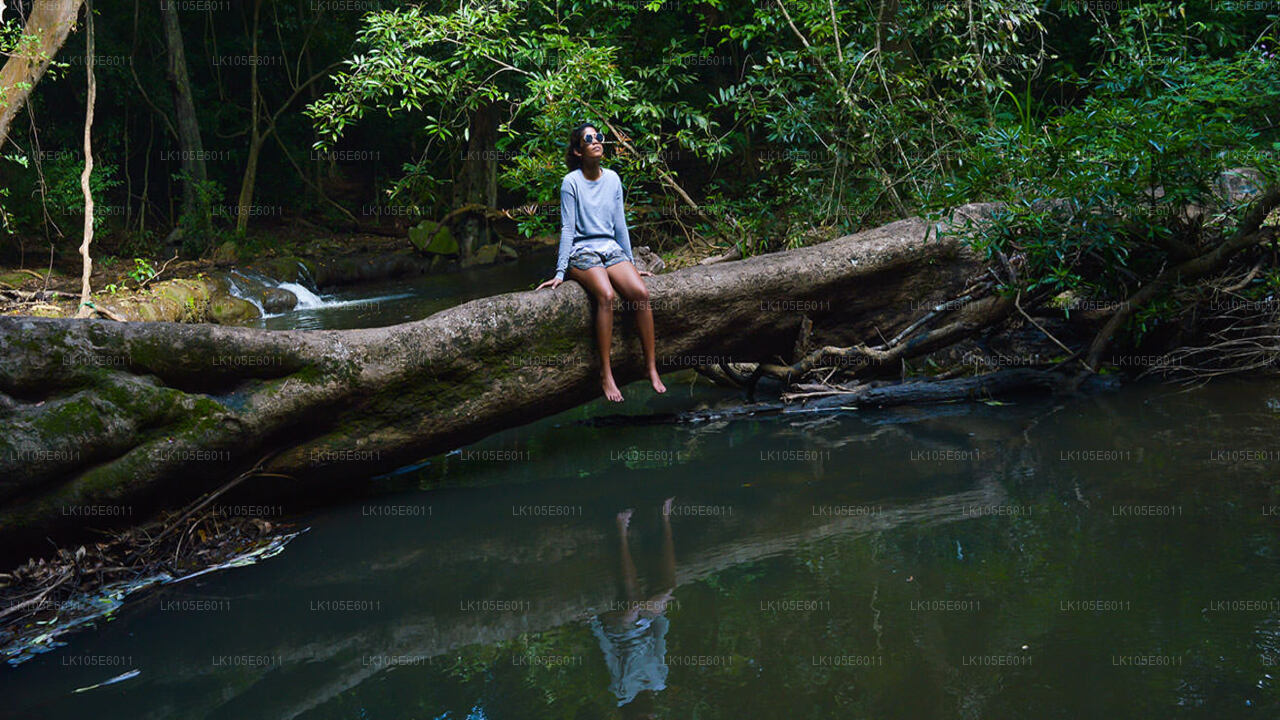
[
  {"x": 620, "y": 232},
  {"x": 568, "y": 218}
]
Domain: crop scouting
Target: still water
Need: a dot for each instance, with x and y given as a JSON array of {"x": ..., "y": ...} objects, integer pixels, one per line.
[{"x": 1112, "y": 556}]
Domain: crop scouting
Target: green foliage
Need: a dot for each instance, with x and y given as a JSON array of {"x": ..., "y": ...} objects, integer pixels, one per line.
[
  {"x": 787, "y": 122},
  {"x": 849, "y": 134},
  {"x": 875, "y": 118},
  {"x": 142, "y": 271},
  {"x": 1160, "y": 121},
  {"x": 197, "y": 235},
  {"x": 420, "y": 188},
  {"x": 6, "y": 219},
  {"x": 63, "y": 193},
  {"x": 553, "y": 67}
]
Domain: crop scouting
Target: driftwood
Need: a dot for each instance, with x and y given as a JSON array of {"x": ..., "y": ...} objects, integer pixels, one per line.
[{"x": 989, "y": 387}]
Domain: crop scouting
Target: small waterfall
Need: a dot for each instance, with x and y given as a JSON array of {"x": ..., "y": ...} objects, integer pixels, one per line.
[
  {"x": 242, "y": 287},
  {"x": 304, "y": 277},
  {"x": 252, "y": 286},
  {"x": 306, "y": 298}
]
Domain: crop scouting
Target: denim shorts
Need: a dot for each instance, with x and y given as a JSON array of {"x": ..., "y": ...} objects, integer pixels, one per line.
[{"x": 585, "y": 258}]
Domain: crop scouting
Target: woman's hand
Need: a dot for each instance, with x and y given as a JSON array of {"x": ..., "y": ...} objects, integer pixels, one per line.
[
  {"x": 644, "y": 273},
  {"x": 553, "y": 282}
]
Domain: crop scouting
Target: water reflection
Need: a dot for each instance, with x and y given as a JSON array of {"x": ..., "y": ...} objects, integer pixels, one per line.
[
  {"x": 633, "y": 637},
  {"x": 955, "y": 562}
]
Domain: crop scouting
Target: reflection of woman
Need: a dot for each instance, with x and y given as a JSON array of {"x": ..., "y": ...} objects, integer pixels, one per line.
[{"x": 634, "y": 637}]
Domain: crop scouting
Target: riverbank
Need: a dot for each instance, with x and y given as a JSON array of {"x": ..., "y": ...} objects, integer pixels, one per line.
[
  {"x": 187, "y": 290},
  {"x": 47, "y": 599},
  {"x": 174, "y": 289}
]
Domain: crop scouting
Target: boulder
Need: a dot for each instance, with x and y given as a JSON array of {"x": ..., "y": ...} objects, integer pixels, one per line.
[
  {"x": 1238, "y": 185},
  {"x": 230, "y": 310},
  {"x": 434, "y": 238},
  {"x": 226, "y": 253},
  {"x": 278, "y": 300},
  {"x": 485, "y": 255}
]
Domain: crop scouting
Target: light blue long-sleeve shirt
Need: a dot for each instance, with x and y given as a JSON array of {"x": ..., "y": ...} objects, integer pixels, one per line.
[{"x": 591, "y": 214}]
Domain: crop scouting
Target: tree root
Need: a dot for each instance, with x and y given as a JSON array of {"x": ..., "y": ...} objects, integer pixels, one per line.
[
  {"x": 975, "y": 315},
  {"x": 1249, "y": 233}
]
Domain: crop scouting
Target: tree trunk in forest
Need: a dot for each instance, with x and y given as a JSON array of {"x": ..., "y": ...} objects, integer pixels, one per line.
[
  {"x": 258, "y": 134},
  {"x": 50, "y": 22},
  {"x": 896, "y": 47},
  {"x": 256, "y": 138},
  {"x": 478, "y": 180},
  {"x": 153, "y": 414},
  {"x": 86, "y": 260},
  {"x": 195, "y": 203}
]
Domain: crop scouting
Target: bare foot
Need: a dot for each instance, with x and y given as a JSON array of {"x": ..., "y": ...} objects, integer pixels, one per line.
[
  {"x": 611, "y": 390},
  {"x": 666, "y": 506},
  {"x": 624, "y": 519},
  {"x": 654, "y": 378}
]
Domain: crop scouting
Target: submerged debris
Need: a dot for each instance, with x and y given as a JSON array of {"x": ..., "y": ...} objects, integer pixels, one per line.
[
  {"x": 119, "y": 678},
  {"x": 49, "y": 598}
]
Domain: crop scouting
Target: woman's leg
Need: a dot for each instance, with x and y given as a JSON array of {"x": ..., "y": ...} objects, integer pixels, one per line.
[
  {"x": 667, "y": 571},
  {"x": 630, "y": 579},
  {"x": 596, "y": 281},
  {"x": 631, "y": 287},
  {"x": 668, "y": 575}
]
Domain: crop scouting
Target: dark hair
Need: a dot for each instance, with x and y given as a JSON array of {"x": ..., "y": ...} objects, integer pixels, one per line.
[
  {"x": 640, "y": 707},
  {"x": 575, "y": 143}
]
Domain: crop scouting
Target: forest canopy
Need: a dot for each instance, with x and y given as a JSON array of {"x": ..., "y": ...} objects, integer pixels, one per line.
[{"x": 761, "y": 126}]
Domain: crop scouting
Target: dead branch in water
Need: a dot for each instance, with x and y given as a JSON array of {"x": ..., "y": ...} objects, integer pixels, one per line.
[{"x": 43, "y": 589}]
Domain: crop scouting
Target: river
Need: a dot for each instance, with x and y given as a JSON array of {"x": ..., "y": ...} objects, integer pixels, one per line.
[{"x": 1103, "y": 556}]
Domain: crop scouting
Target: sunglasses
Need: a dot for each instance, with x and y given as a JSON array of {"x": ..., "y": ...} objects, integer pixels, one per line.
[{"x": 587, "y": 138}]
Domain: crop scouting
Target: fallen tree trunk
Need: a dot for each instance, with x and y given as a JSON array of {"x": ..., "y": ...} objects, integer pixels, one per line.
[{"x": 134, "y": 417}]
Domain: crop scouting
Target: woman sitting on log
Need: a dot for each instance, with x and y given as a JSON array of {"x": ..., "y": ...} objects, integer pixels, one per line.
[{"x": 595, "y": 249}]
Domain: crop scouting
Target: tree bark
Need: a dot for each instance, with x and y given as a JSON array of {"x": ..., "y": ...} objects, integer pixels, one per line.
[
  {"x": 256, "y": 138},
  {"x": 50, "y": 22},
  {"x": 195, "y": 205},
  {"x": 478, "y": 180},
  {"x": 152, "y": 414}
]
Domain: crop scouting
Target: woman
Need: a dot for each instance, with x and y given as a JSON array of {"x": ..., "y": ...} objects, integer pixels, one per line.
[{"x": 595, "y": 249}]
